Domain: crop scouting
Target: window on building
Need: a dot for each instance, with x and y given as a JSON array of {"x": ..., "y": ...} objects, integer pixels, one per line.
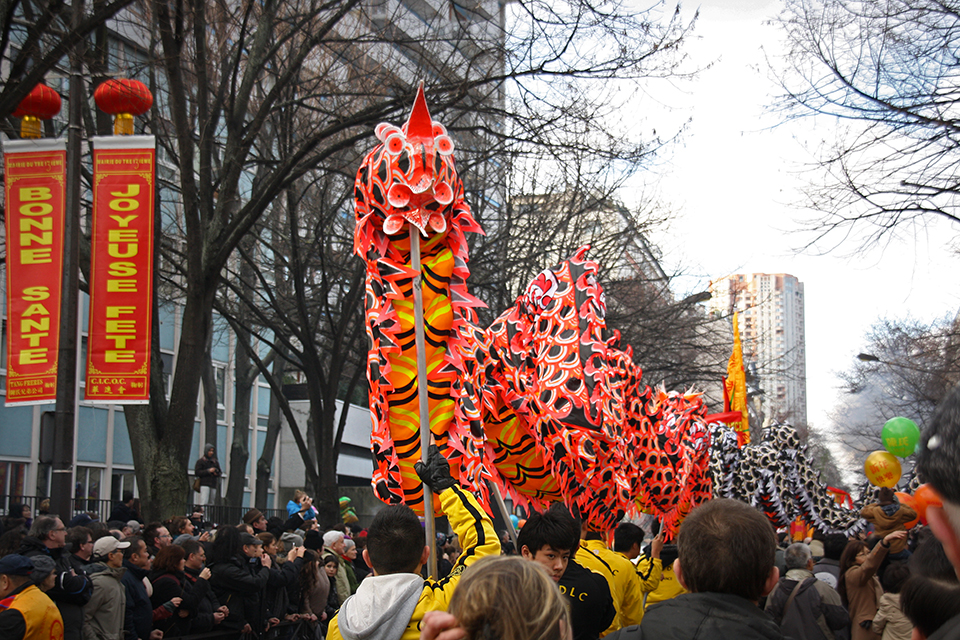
[
  {"x": 12, "y": 478},
  {"x": 220, "y": 372},
  {"x": 89, "y": 483},
  {"x": 121, "y": 482}
]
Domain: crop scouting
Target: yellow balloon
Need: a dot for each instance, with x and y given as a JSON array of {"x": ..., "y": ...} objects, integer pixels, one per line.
[{"x": 882, "y": 469}]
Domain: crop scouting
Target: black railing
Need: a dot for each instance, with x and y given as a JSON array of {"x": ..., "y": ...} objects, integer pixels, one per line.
[
  {"x": 224, "y": 514},
  {"x": 284, "y": 630}
]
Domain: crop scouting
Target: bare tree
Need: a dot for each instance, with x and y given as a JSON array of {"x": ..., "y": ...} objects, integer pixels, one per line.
[
  {"x": 906, "y": 368},
  {"x": 227, "y": 79},
  {"x": 886, "y": 72}
]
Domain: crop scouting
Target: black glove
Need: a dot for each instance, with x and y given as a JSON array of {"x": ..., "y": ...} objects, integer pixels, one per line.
[{"x": 436, "y": 472}]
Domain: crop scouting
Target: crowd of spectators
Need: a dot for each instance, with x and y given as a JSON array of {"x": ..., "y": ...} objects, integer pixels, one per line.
[
  {"x": 123, "y": 580},
  {"x": 726, "y": 574}
]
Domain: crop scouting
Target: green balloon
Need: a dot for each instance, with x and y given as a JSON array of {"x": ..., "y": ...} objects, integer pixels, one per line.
[{"x": 900, "y": 436}]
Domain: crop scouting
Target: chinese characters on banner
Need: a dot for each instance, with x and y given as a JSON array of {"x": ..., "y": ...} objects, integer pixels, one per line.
[
  {"x": 121, "y": 287},
  {"x": 35, "y": 180}
]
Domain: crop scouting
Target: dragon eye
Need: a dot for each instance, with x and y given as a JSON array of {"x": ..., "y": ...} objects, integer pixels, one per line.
[
  {"x": 394, "y": 143},
  {"x": 385, "y": 129},
  {"x": 443, "y": 194},
  {"x": 399, "y": 195},
  {"x": 438, "y": 129},
  {"x": 438, "y": 223},
  {"x": 392, "y": 225},
  {"x": 444, "y": 145}
]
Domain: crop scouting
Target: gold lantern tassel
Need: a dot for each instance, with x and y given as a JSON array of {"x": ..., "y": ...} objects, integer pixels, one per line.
[
  {"x": 123, "y": 124},
  {"x": 30, "y": 127}
]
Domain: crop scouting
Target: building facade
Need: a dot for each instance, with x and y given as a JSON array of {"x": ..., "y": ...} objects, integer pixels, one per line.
[
  {"x": 771, "y": 317},
  {"x": 467, "y": 37}
]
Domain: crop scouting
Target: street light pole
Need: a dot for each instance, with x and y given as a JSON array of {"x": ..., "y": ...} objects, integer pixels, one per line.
[{"x": 61, "y": 485}]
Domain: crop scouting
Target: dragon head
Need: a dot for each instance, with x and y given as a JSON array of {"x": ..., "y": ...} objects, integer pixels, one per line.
[{"x": 410, "y": 176}]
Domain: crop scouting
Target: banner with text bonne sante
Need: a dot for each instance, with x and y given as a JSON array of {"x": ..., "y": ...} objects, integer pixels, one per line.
[
  {"x": 121, "y": 267},
  {"x": 35, "y": 189}
]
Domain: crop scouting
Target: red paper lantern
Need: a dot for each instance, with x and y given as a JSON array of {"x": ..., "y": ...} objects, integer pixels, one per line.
[
  {"x": 42, "y": 103},
  {"x": 123, "y": 99}
]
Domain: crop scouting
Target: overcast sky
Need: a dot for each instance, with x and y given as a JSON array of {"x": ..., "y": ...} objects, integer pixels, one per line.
[{"x": 735, "y": 183}]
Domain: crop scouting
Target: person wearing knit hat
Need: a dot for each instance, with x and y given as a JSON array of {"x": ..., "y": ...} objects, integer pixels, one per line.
[
  {"x": 26, "y": 611},
  {"x": 44, "y": 573},
  {"x": 207, "y": 471},
  {"x": 313, "y": 540},
  {"x": 256, "y": 520}
]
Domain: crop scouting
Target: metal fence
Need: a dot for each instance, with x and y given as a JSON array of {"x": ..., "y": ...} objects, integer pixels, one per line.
[
  {"x": 218, "y": 514},
  {"x": 284, "y": 631}
]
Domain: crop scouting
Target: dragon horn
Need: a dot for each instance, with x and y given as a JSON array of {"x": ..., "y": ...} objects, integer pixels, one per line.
[{"x": 420, "y": 124}]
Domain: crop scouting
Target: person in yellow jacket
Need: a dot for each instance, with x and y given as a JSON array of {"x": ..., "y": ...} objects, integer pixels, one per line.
[
  {"x": 669, "y": 586},
  {"x": 26, "y": 613},
  {"x": 628, "y": 541},
  {"x": 390, "y": 604},
  {"x": 620, "y": 575}
]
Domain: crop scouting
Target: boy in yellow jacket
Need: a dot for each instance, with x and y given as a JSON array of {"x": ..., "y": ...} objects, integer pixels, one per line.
[{"x": 390, "y": 604}]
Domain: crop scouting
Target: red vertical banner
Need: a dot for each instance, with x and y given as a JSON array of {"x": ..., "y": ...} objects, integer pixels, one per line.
[
  {"x": 35, "y": 180},
  {"x": 121, "y": 270}
]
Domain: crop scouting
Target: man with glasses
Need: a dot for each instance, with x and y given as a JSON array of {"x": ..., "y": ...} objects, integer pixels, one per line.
[
  {"x": 157, "y": 537},
  {"x": 80, "y": 543},
  {"x": 48, "y": 537}
]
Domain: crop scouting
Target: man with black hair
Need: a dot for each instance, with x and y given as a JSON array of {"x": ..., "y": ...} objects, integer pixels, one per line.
[
  {"x": 209, "y": 611},
  {"x": 138, "y": 611},
  {"x": 25, "y": 611},
  {"x": 628, "y": 542},
  {"x": 725, "y": 560},
  {"x": 551, "y": 539},
  {"x": 938, "y": 459},
  {"x": 828, "y": 568},
  {"x": 156, "y": 537},
  {"x": 80, "y": 544},
  {"x": 620, "y": 574},
  {"x": 390, "y": 604},
  {"x": 48, "y": 537}
]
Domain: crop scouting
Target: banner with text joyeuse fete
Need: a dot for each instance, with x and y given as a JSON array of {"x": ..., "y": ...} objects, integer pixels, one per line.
[
  {"x": 35, "y": 181},
  {"x": 121, "y": 270}
]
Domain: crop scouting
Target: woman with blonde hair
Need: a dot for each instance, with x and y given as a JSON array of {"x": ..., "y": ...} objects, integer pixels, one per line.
[{"x": 502, "y": 598}]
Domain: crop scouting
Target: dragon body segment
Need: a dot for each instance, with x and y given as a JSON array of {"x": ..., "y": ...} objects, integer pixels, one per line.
[{"x": 544, "y": 403}]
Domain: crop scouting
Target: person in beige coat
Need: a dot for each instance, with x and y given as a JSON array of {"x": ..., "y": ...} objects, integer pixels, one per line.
[
  {"x": 890, "y": 619},
  {"x": 859, "y": 587},
  {"x": 103, "y": 615}
]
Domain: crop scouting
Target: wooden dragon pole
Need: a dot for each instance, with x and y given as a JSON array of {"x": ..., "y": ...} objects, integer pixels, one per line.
[{"x": 422, "y": 394}]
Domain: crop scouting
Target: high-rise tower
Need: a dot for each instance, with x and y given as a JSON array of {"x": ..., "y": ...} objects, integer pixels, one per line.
[{"x": 770, "y": 309}]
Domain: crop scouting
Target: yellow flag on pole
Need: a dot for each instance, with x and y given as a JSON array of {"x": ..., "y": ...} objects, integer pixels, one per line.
[{"x": 735, "y": 387}]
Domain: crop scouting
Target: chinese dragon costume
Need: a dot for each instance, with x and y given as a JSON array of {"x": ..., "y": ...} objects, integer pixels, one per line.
[{"x": 545, "y": 402}]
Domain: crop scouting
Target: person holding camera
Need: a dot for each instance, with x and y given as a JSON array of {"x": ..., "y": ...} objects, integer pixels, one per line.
[
  {"x": 208, "y": 472},
  {"x": 301, "y": 504}
]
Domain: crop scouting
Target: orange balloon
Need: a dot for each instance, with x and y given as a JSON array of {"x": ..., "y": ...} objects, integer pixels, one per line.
[
  {"x": 908, "y": 500},
  {"x": 926, "y": 496},
  {"x": 882, "y": 469}
]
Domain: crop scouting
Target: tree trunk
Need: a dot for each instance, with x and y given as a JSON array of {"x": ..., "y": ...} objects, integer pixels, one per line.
[
  {"x": 270, "y": 440},
  {"x": 209, "y": 383},
  {"x": 240, "y": 447}
]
